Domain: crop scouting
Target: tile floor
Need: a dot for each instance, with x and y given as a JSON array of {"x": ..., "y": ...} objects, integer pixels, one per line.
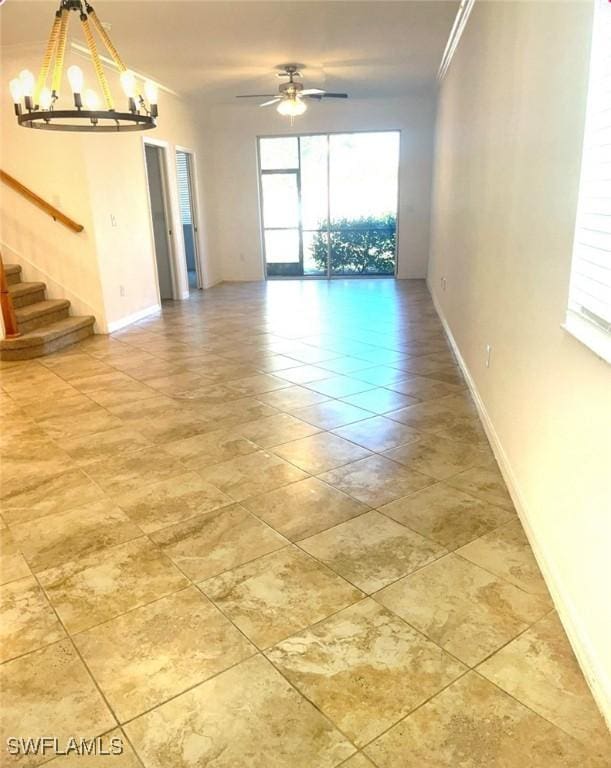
[{"x": 265, "y": 529}]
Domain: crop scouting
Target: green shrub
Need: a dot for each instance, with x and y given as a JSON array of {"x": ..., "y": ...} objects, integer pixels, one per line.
[{"x": 358, "y": 246}]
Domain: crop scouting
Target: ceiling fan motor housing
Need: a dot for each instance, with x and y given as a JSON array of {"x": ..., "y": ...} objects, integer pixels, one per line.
[{"x": 291, "y": 88}]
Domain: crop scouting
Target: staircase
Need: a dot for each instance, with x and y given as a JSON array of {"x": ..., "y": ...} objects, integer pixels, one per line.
[{"x": 45, "y": 325}]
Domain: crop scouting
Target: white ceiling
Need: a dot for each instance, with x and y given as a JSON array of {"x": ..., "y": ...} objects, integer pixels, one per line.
[{"x": 219, "y": 49}]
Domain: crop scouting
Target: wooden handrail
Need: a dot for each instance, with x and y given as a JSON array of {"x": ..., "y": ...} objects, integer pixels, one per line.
[
  {"x": 42, "y": 204},
  {"x": 6, "y": 305}
]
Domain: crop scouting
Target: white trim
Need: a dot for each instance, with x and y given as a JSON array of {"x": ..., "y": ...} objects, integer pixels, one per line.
[
  {"x": 577, "y": 634},
  {"x": 116, "y": 325},
  {"x": 460, "y": 22},
  {"x": 595, "y": 338}
]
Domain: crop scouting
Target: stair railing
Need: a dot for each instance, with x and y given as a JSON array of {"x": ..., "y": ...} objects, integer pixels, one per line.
[
  {"x": 6, "y": 303},
  {"x": 55, "y": 214}
]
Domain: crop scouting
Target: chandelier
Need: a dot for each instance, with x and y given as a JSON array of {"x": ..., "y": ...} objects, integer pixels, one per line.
[{"x": 36, "y": 104}]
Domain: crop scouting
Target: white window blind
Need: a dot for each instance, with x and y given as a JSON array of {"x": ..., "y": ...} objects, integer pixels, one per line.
[
  {"x": 589, "y": 310},
  {"x": 183, "y": 181}
]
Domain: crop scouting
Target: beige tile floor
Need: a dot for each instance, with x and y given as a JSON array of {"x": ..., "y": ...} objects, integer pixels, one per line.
[{"x": 265, "y": 529}]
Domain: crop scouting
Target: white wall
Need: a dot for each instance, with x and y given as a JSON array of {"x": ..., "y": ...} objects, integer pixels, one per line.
[
  {"x": 91, "y": 177},
  {"x": 509, "y": 134},
  {"x": 234, "y": 206}
]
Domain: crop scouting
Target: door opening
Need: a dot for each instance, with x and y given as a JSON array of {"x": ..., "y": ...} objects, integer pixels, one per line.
[
  {"x": 155, "y": 172},
  {"x": 186, "y": 202},
  {"x": 329, "y": 204}
]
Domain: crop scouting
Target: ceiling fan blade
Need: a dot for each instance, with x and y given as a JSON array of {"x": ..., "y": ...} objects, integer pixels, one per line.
[
  {"x": 271, "y": 101},
  {"x": 255, "y": 96},
  {"x": 326, "y": 95},
  {"x": 312, "y": 92}
]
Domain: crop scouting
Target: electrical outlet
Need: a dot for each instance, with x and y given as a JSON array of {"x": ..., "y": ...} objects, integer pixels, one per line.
[
  {"x": 113, "y": 220},
  {"x": 121, "y": 290},
  {"x": 488, "y": 354}
]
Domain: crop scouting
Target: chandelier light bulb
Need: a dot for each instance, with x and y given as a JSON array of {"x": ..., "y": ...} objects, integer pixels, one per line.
[
  {"x": 128, "y": 83},
  {"x": 91, "y": 99},
  {"x": 150, "y": 91},
  {"x": 27, "y": 82},
  {"x": 46, "y": 99},
  {"x": 16, "y": 90},
  {"x": 75, "y": 78}
]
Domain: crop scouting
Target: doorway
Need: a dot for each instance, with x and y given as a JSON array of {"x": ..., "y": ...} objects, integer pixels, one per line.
[
  {"x": 157, "y": 186},
  {"x": 186, "y": 204},
  {"x": 329, "y": 204}
]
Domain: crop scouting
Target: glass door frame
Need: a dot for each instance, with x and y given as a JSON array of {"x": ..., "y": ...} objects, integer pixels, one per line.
[
  {"x": 329, "y": 275},
  {"x": 282, "y": 172}
]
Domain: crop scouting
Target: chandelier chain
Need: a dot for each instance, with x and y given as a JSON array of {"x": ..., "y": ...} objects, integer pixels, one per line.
[
  {"x": 60, "y": 52},
  {"x": 114, "y": 54},
  {"x": 97, "y": 64},
  {"x": 46, "y": 62}
]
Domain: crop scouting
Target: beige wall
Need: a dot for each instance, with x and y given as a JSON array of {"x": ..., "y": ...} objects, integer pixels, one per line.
[
  {"x": 509, "y": 133},
  {"x": 53, "y": 166},
  {"x": 234, "y": 204},
  {"x": 91, "y": 178}
]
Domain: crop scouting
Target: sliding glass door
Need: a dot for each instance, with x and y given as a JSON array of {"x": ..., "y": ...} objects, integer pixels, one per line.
[{"x": 329, "y": 204}]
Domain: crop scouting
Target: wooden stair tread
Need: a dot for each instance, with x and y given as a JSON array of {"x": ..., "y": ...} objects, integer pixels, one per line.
[
  {"x": 40, "y": 308},
  {"x": 48, "y": 332}
]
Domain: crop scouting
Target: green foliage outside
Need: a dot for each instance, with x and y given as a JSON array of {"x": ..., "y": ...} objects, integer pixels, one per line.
[{"x": 358, "y": 246}]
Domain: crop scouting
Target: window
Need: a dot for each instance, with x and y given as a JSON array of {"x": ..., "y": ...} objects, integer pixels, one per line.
[
  {"x": 329, "y": 204},
  {"x": 589, "y": 311}
]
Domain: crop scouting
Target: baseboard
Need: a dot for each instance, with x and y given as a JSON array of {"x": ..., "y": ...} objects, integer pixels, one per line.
[
  {"x": 587, "y": 657},
  {"x": 211, "y": 284},
  {"x": 133, "y": 318}
]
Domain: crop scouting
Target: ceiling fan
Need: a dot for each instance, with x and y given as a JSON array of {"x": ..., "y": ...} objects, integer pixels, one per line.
[{"x": 291, "y": 95}]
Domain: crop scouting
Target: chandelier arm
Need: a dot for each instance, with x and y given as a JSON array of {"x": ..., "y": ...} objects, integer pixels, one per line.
[
  {"x": 60, "y": 52},
  {"x": 46, "y": 62},
  {"x": 97, "y": 64},
  {"x": 114, "y": 54}
]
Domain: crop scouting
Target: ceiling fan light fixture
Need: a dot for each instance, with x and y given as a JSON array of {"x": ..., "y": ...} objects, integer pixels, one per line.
[
  {"x": 290, "y": 99},
  {"x": 292, "y": 107}
]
